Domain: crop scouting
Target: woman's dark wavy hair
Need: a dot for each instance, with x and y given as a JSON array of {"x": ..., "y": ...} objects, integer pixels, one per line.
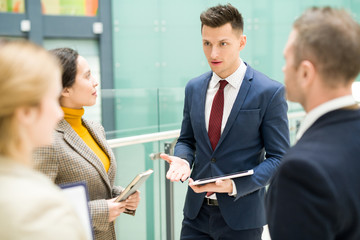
[{"x": 68, "y": 60}]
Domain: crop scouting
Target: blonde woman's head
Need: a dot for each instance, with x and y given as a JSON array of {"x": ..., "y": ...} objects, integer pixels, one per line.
[{"x": 30, "y": 85}]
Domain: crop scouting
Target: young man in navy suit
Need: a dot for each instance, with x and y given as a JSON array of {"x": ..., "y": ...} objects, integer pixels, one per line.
[
  {"x": 315, "y": 194},
  {"x": 235, "y": 118}
]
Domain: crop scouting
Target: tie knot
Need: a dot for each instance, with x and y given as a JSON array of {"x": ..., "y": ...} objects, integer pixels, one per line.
[{"x": 223, "y": 83}]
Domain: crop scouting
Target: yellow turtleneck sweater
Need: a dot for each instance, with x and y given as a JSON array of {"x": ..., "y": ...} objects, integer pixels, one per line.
[{"x": 73, "y": 117}]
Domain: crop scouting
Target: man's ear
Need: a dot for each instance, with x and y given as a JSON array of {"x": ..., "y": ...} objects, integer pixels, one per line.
[
  {"x": 307, "y": 73},
  {"x": 242, "y": 41},
  {"x": 65, "y": 92}
]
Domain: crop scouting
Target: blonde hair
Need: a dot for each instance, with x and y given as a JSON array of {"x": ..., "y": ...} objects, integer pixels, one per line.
[{"x": 26, "y": 74}]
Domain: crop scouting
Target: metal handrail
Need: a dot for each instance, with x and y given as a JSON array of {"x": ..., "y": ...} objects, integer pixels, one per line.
[
  {"x": 144, "y": 138},
  {"x": 296, "y": 114},
  {"x": 151, "y": 137}
]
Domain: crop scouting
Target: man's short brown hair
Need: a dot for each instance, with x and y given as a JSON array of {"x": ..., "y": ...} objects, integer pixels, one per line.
[
  {"x": 330, "y": 39},
  {"x": 220, "y": 15}
]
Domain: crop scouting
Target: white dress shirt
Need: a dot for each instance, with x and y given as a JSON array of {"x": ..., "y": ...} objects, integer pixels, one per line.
[
  {"x": 321, "y": 110},
  {"x": 231, "y": 91}
]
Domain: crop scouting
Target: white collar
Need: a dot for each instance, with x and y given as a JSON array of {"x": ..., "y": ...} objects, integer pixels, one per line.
[
  {"x": 321, "y": 110},
  {"x": 234, "y": 79}
]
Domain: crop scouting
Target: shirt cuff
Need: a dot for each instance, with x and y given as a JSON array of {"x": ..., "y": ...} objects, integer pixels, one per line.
[{"x": 234, "y": 192}]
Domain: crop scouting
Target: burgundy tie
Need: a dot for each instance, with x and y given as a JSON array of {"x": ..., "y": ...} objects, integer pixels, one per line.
[
  {"x": 216, "y": 114},
  {"x": 215, "y": 120}
]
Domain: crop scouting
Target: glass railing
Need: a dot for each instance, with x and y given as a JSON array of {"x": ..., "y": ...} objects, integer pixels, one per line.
[
  {"x": 134, "y": 112},
  {"x": 145, "y": 123},
  {"x": 138, "y": 123}
]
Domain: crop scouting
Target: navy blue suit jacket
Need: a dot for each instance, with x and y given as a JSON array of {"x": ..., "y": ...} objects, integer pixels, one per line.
[
  {"x": 255, "y": 137},
  {"x": 315, "y": 195}
]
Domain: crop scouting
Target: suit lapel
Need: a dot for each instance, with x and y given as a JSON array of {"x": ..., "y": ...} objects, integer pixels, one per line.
[
  {"x": 101, "y": 140},
  {"x": 203, "y": 94},
  {"x": 240, "y": 99},
  {"x": 75, "y": 142}
]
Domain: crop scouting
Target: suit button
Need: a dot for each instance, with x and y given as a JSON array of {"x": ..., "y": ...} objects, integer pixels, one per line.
[{"x": 213, "y": 160}]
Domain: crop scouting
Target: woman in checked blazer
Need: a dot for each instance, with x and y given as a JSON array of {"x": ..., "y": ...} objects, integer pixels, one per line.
[{"x": 80, "y": 151}]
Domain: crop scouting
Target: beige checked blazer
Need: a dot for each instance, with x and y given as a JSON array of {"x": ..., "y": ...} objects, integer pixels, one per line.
[{"x": 69, "y": 160}]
